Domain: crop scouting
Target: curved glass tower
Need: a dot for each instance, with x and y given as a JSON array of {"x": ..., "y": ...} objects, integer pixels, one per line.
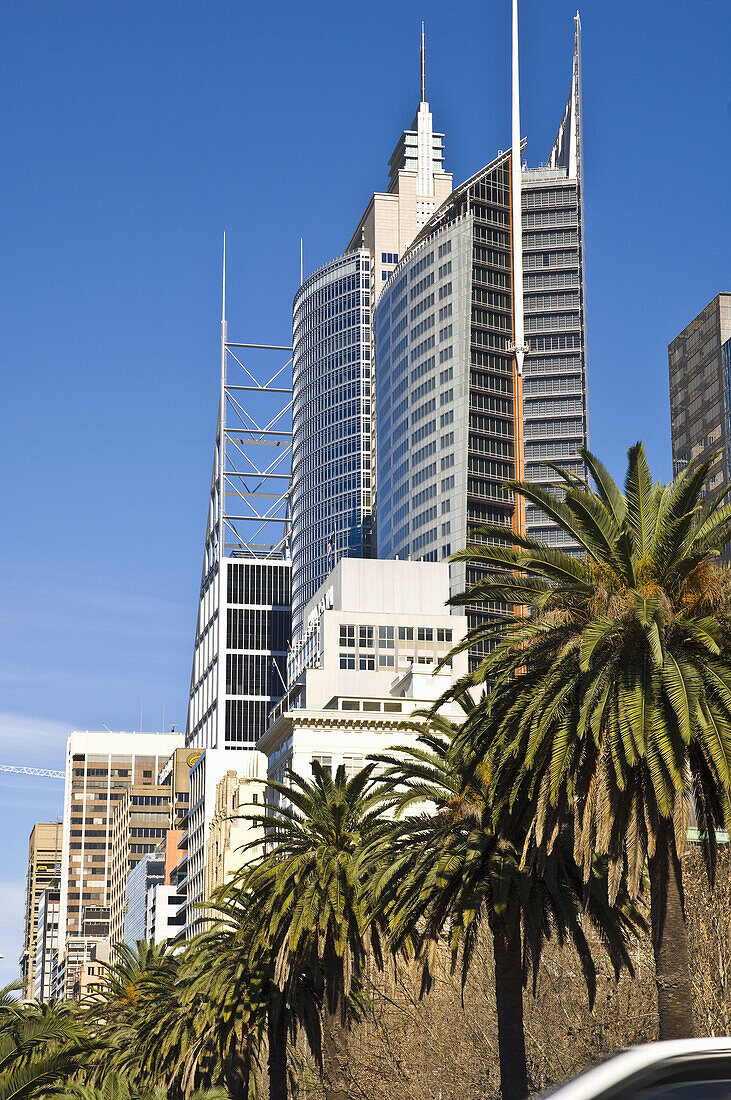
[{"x": 331, "y": 423}]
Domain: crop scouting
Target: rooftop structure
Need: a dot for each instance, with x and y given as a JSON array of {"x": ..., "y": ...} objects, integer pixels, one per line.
[{"x": 242, "y": 626}]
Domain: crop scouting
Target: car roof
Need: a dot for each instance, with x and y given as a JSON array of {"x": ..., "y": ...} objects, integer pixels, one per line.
[{"x": 619, "y": 1067}]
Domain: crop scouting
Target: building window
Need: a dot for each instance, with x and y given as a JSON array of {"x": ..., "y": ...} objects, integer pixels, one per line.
[
  {"x": 385, "y": 637},
  {"x": 366, "y": 662},
  {"x": 352, "y": 765},
  {"x": 325, "y": 762},
  {"x": 347, "y": 660},
  {"x": 386, "y": 660},
  {"x": 347, "y": 636},
  {"x": 406, "y": 633},
  {"x": 365, "y": 637},
  {"x": 425, "y": 634}
]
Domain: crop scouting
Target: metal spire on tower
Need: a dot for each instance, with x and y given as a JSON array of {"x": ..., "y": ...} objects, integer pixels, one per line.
[
  {"x": 517, "y": 205},
  {"x": 423, "y": 66},
  {"x": 519, "y": 348}
]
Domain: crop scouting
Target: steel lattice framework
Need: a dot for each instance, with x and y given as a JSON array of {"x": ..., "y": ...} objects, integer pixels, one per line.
[
  {"x": 249, "y": 507},
  {"x": 248, "y": 510},
  {"x": 45, "y": 773}
]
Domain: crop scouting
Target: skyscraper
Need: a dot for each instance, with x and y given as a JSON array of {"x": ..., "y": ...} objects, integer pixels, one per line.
[
  {"x": 333, "y": 457},
  {"x": 244, "y": 614},
  {"x": 555, "y": 399},
  {"x": 699, "y": 360},
  {"x": 44, "y": 871},
  {"x": 139, "y": 823},
  {"x": 452, "y": 424},
  {"x": 99, "y": 769},
  {"x": 46, "y": 941},
  {"x": 243, "y": 622}
]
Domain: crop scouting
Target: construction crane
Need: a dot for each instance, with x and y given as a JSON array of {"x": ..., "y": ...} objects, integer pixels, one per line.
[{"x": 46, "y": 773}]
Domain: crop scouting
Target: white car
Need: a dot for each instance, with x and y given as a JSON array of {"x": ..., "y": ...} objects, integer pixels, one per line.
[{"x": 685, "y": 1069}]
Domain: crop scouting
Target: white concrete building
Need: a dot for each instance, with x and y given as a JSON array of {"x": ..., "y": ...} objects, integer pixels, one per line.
[
  {"x": 373, "y": 636},
  {"x": 164, "y": 919}
]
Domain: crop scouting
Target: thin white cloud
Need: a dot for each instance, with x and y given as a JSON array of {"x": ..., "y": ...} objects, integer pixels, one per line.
[{"x": 27, "y": 739}]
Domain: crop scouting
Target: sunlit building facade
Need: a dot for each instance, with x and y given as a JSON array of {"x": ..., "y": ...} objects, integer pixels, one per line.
[
  {"x": 334, "y": 460},
  {"x": 449, "y": 420}
]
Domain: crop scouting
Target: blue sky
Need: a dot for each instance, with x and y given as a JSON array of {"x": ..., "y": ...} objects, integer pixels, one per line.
[{"x": 133, "y": 135}]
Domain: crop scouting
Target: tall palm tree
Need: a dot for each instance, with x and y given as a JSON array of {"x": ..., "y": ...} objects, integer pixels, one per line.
[
  {"x": 610, "y": 700},
  {"x": 191, "y": 1019},
  {"x": 450, "y": 872},
  {"x": 311, "y": 896},
  {"x": 40, "y": 1046}
]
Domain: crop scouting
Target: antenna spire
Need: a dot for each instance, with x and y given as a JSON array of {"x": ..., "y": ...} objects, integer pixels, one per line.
[
  {"x": 423, "y": 66},
  {"x": 223, "y": 289},
  {"x": 517, "y": 204}
]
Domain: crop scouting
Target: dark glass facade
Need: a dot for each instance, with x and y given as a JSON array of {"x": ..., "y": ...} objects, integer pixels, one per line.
[{"x": 258, "y": 628}]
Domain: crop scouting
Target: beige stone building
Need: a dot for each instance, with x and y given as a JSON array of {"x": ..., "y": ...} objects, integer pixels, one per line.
[
  {"x": 44, "y": 869},
  {"x": 231, "y": 829}
]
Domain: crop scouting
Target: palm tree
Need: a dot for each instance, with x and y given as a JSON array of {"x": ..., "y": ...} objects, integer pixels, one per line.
[
  {"x": 311, "y": 897},
  {"x": 191, "y": 1019},
  {"x": 450, "y": 872},
  {"x": 610, "y": 700},
  {"x": 40, "y": 1046}
]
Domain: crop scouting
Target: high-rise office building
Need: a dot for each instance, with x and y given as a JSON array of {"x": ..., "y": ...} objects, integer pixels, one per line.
[
  {"x": 333, "y": 456},
  {"x": 452, "y": 423},
  {"x": 99, "y": 769},
  {"x": 46, "y": 941},
  {"x": 444, "y": 378},
  {"x": 140, "y": 821},
  {"x": 331, "y": 423},
  {"x": 244, "y": 613},
  {"x": 147, "y": 873},
  {"x": 555, "y": 398},
  {"x": 44, "y": 870},
  {"x": 240, "y": 652},
  {"x": 700, "y": 392}
]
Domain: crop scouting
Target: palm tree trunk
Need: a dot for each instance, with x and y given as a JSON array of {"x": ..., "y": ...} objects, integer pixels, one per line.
[
  {"x": 335, "y": 1033},
  {"x": 509, "y": 1002},
  {"x": 670, "y": 938},
  {"x": 277, "y": 1037}
]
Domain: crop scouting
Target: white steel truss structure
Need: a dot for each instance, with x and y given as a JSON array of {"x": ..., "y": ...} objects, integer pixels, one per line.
[
  {"x": 248, "y": 527},
  {"x": 45, "y": 773}
]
